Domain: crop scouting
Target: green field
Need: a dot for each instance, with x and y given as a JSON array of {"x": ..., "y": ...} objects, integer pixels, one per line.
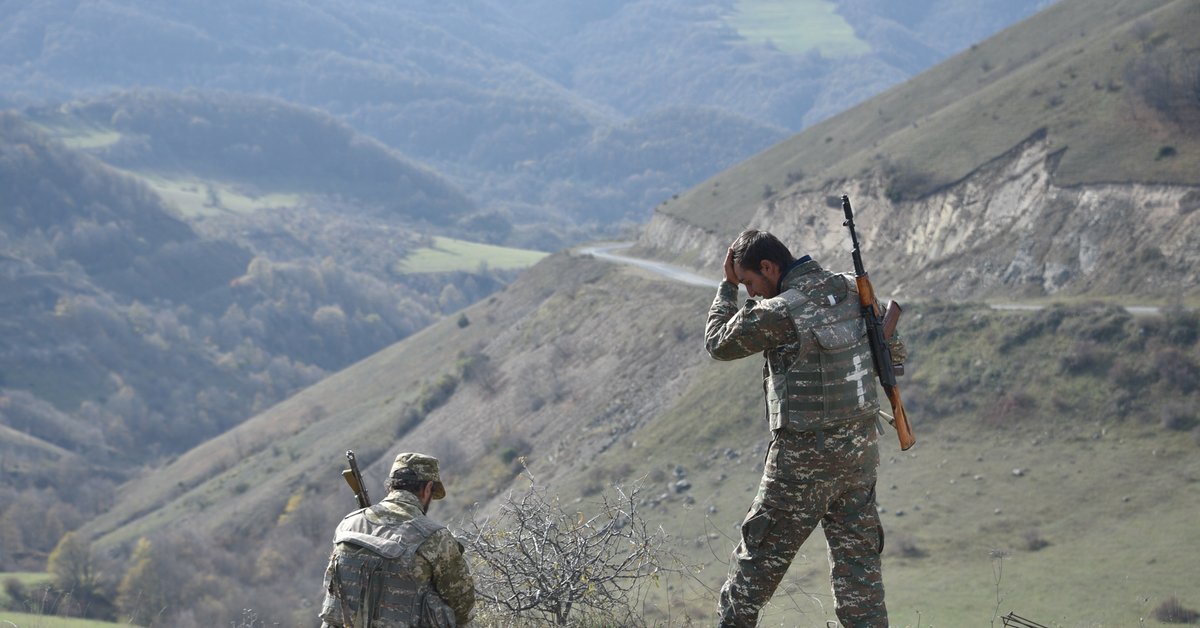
[
  {"x": 196, "y": 197},
  {"x": 193, "y": 197},
  {"x": 797, "y": 26},
  {"x": 81, "y": 136},
  {"x": 451, "y": 255},
  {"x": 31, "y": 581},
  {"x": 28, "y": 579},
  {"x": 26, "y": 620}
]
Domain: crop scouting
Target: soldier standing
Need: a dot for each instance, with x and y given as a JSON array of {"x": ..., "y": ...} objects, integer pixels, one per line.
[
  {"x": 823, "y": 413},
  {"x": 392, "y": 566}
]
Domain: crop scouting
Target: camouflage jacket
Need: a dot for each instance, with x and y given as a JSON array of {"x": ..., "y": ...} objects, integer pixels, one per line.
[
  {"x": 818, "y": 372},
  {"x": 408, "y": 569}
]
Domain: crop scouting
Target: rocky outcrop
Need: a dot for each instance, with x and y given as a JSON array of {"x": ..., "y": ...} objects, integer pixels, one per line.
[{"x": 1005, "y": 231}]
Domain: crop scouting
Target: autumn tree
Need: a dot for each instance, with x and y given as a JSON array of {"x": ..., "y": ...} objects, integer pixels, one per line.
[
  {"x": 73, "y": 564},
  {"x": 77, "y": 578},
  {"x": 143, "y": 594}
]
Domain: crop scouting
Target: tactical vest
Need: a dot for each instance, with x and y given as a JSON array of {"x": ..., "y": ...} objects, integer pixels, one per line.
[
  {"x": 385, "y": 587},
  {"x": 825, "y": 378}
]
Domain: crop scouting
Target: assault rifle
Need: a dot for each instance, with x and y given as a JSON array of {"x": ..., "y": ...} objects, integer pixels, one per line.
[
  {"x": 880, "y": 325},
  {"x": 354, "y": 479}
]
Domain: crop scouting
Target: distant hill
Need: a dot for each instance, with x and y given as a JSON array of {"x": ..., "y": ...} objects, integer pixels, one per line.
[
  {"x": 150, "y": 307},
  {"x": 1059, "y": 156},
  {"x": 1057, "y": 448},
  {"x": 517, "y": 102},
  {"x": 263, "y": 145},
  {"x": 114, "y": 229}
]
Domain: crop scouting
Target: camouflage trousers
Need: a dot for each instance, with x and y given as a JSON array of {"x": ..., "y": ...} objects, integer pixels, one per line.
[{"x": 811, "y": 478}]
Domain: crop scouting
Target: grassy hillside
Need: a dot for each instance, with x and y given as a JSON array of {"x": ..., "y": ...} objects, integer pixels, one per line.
[
  {"x": 512, "y": 100},
  {"x": 1056, "y": 468},
  {"x": 1055, "y": 443},
  {"x": 133, "y": 327},
  {"x": 1105, "y": 82},
  {"x": 27, "y": 620},
  {"x": 234, "y": 153},
  {"x": 798, "y": 27},
  {"x": 449, "y": 255}
]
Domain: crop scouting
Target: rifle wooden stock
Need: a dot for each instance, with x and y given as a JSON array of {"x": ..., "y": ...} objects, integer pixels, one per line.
[
  {"x": 877, "y": 335},
  {"x": 891, "y": 316},
  {"x": 903, "y": 430},
  {"x": 866, "y": 293}
]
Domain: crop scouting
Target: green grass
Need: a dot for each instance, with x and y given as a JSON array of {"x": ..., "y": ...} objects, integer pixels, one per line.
[
  {"x": 797, "y": 26},
  {"x": 450, "y": 255},
  {"x": 197, "y": 197},
  {"x": 1105, "y": 504},
  {"x": 32, "y": 581},
  {"x": 29, "y": 579},
  {"x": 25, "y": 620}
]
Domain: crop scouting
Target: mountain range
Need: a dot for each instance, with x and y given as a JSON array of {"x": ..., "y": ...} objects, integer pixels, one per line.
[
  {"x": 1056, "y": 465},
  {"x": 571, "y": 118}
]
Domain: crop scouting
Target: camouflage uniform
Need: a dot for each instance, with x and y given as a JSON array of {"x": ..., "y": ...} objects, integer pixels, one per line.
[
  {"x": 821, "y": 465},
  {"x": 393, "y": 567}
]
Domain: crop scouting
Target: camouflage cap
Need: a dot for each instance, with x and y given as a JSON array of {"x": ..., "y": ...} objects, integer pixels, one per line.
[{"x": 418, "y": 467}]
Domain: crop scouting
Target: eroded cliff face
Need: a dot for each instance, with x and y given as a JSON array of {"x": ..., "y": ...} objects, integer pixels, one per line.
[{"x": 1006, "y": 231}]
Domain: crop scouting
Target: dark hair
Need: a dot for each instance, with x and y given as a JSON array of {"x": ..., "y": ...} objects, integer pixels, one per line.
[
  {"x": 753, "y": 246},
  {"x": 411, "y": 485}
]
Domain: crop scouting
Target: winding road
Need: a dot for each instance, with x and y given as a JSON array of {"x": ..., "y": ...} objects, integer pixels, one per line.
[
  {"x": 608, "y": 252},
  {"x": 674, "y": 273}
]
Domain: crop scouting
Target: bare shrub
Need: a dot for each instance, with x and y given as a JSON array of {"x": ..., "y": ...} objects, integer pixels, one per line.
[
  {"x": 1179, "y": 417},
  {"x": 477, "y": 368},
  {"x": 1037, "y": 325},
  {"x": 1171, "y": 611},
  {"x": 1009, "y": 408},
  {"x": 16, "y": 592},
  {"x": 1034, "y": 541},
  {"x": 904, "y": 546},
  {"x": 535, "y": 562},
  {"x": 906, "y": 180},
  {"x": 1129, "y": 374},
  {"x": 1168, "y": 80},
  {"x": 1177, "y": 368},
  {"x": 1182, "y": 325},
  {"x": 1084, "y": 357}
]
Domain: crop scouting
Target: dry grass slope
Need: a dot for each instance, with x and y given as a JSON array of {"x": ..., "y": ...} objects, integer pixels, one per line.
[
  {"x": 1071, "y": 73},
  {"x": 1044, "y": 446}
]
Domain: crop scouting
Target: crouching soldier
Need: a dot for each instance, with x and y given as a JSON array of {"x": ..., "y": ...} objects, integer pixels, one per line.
[{"x": 392, "y": 566}]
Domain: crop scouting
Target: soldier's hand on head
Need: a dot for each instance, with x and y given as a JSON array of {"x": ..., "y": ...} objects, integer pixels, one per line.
[{"x": 730, "y": 275}]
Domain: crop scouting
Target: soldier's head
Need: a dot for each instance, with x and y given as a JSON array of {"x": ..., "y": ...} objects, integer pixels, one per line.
[
  {"x": 759, "y": 260},
  {"x": 417, "y": 474}
]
